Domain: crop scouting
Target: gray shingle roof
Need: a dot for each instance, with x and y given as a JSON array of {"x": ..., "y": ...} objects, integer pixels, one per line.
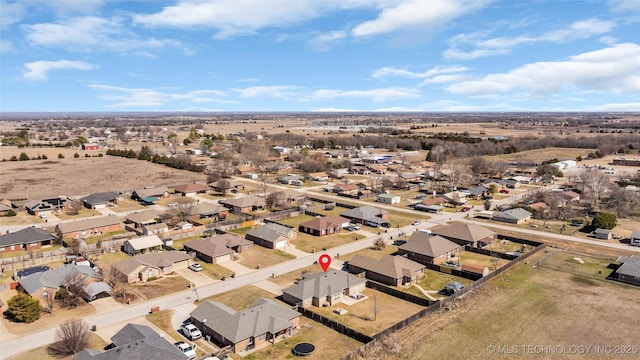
[
  {"x": 217, "y": 245},
  {"x": 464, "y": 231},
  {"x": 56, "y": 277},
  {"x": 630, "y": 266},
  {"x": 244, "y": 201},
  {"x": 145, "y": 242},
  {"x": 143, "y": 216},
  {"x": 100, "y": 198},
  {"x": 154, "y": 191},
  {"x": 154, "y": 259},
  {"x": 332, "y": 282},
  {"x": 429, "y": 245},
  {"x": 135, "y": 342},
  {"x": 25, "y": 236},
  {"x": 364, "y": 212},
  {"x": 270, "y": 232},
  {"x": 394, "y": 267},
  {"x": 512, "y": 214},
  {"x": 261, "y": 317}
]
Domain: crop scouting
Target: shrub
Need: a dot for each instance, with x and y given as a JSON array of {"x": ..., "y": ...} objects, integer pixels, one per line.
[
  {"x": 60, "y": 156},
  {"x": 11, "y": 213},
  {"x": 23, "y": 308},
  {"x": 24, "y": 157},
  {"x": 14, "y": 158},
  {"x": 604, "y": 221},
  {"x": 76, "y": 155}
]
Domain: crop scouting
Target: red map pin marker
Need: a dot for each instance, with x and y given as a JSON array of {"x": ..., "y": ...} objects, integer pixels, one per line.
[{"x": 325, "y": 261}]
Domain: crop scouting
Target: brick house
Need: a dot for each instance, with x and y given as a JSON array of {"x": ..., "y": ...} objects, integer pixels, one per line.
[
  {"x": 466, "y": 234},
  {"x": 218, "y": 248},
  {"x": 429, "y": 249},
  {"x": 323, "y": 288},
  {"x": 390, "y": 270},
  {"x": 30, "y": 238},
  {"x": 322, "y": 226},
  {"x": 272, "y": 235},
  {"x": 88, "y": 227}
]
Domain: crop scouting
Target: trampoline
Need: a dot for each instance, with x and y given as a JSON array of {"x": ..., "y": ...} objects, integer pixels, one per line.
[{"x": 303, "y": 349}]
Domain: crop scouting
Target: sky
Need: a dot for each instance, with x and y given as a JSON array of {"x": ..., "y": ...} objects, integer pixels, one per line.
[{"x": 319, "y": 55}]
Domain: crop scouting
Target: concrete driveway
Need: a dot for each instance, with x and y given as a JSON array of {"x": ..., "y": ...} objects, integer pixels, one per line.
[{"x": 197, "y": 278}]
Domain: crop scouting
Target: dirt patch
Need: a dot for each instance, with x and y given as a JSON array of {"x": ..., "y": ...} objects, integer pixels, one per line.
[
  {"x": 46, "y": 320},
  {"x": 83, "y": 176},
  {"x": 165, "y": 286}
]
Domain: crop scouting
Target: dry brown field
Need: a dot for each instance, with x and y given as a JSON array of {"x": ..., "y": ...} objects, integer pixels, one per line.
[{"x": 83, "y": 176}]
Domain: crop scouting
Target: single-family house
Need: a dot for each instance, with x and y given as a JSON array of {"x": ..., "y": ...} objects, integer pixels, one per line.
[
  {"x": 439, "y": 201},
  {"x": 455, "y": 198},
  {"x": 183, "y": 225},
  {"x": 264, "y": 322},
  {"x": 346, "y": 188},
  {"x": 634, "y": 239},
  {"x": 272, "y": 235},
  {"x": 466, "y": 234},
  {"x": 101, "y": 200},
  {"x": 428, "y": 208},
  {"x": 603, "y": 234},
  {"x": 476, "y": 193},
  {"x": 390, "y": 270},
  {"x": 513, "y": 216},
  {"x": 570, "y": 196},
  {"x": 142, "y": 244},
  {"x": 367, "y": 215},
  {"x": 388, "y": 199},
  {"x": 90, "y": 146},
  {"x": 324, "y": 225},
  {"x": 45, "y": 206},
  {"x": 40, "y": 285},
  {"x": 244, "y": 204},
  {"x": 151, "y": 194},
  {"x": 143, "y": 218},
  {"x": 205, "y": 210},
  {"x": 153, "y": 264},
  {"x": 191, "y": 189},
  {"x": 134, "y": 342},
  {"x": 323, "y": 288},
  {"x": 290, "y": 196},
  {"x": 291, "y": 179},
  {"x": 429, "y": 249},
  {"x": 5, "y": 206},
  {"x": 88, "y": 227},
  {"x": 317, "y": 176},
  {"x": 629, "y": 271},
  {"x": 218, "y": 248},
  {"x": 29, "y": 238}
]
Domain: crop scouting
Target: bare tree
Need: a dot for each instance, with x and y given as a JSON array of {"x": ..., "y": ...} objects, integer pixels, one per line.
[
  {"x": 456, "y": 174},
  {"x": 174, "y": 141},
  {"x": 184, "y": 209},
  {"x": 624, "y": 203},
  {"x": 223, "y": 185},
  {"x": 117, "y": 281},
  {"x": 478, "y": 166},
  {"x": 274, "y": 199},
  {"x": 437, "y": 154},
  {"x": 73, "y": 207},
  {"x": 49, "y": 301},
  {"x": 374, "y": 307},
  {"x": 593, "y": 183},
  {"x": 379, "y": 244},
  {"x": 500, "y": 168},
  {"x": 71, "y": 338}
]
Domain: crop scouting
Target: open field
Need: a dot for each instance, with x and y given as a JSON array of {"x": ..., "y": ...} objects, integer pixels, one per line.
[
  {"x": 84, "y": 176},
  {"x": 329, "y": 344},
  {"x": 525, "y": 306},
  {"x": 42, "y": 353},
  {"x": 545, "y": 154},
  {"x": 480, "y": 261},
  {"x": 361, "y": 315},
  {"x": 591, "y": 267},
  {"x": 257, "y": 255}
]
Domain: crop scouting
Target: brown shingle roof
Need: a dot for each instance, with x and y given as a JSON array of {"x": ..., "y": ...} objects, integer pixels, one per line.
[
  {"x": 391, "y": 266},
  {"x": 89, "y": 223},
  {"x": 464, "y": 231},
  {"x": 189, "y": 188},
  {"x": 322, "y": 223},
  {"x": 429, "y": 245}
]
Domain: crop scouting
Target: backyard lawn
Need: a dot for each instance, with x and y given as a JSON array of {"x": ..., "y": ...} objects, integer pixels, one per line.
[
  {"x": 296, "y": 220},
  {"x": 591, "y": 267},
  {"x": 371, "y": 252},
  {"x": 505, "y": 246},
  {"x": 480, "y": 261},
  {"x": 128, "y": 205},
  {"x": 83, "y": 213},
  {"x": 161, "y": 287},
  {"x": 436, "y": 281},
  {"x": 329, "y": 344},
  {"x": 361, "y": 316},
  {"x": 257, "y": 254},
  {"x": 308, "y": 243}
]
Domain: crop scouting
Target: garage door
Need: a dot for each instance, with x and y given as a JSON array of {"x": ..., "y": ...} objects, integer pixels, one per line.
[
  {"x": 281, "y": 244},
  {"x": 180, "y": 265}
]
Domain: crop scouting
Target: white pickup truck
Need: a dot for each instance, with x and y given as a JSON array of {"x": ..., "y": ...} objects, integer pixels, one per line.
[
  {"x": 190, "y": 331},
  {"x": 188, "y": 350}
]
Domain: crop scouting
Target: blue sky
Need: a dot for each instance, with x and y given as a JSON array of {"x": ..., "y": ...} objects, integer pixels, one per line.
[{"x": 320, "y": 55}]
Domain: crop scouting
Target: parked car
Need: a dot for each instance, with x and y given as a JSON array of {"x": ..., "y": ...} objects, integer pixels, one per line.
[
  {"x": 465, "y": 209},
  {"x": 416, "y": 223},
  {"x": 195, "y": 267},
  {"x": 188, "y": 350},
  {"x": 190, "y": 331},
  {"x": 504, "y": 191}
]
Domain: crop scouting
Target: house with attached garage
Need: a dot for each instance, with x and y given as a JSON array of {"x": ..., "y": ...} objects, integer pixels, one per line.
[
  {"x": 244, "y": 204},
  {"x": 43, "y": 284},
  {"x": 328, "y": 288},
  {"x": 634, "y": 239},
  {"x": 142, "y": 267},
  {"x": 134, "y": 342},
  {"x": 367, "y": 215},
  {"x": 629, "y": 271},
  {"x": 272, "y": 235},
  {"x": 45, "y": 206},
  {"x": 466, "y": 234},
  {"x": 324, "y": 225},
  {"x": 218, "y": 248},
  {"x": 142, "y": 218},
  {"x": 29, "y": 238},
  {"x": 388, "y": 199},
  {"x": 512, "y": 216},
  {"x": 207, "y": 210},
  {"x": 101, "y": 200},
  {"x": 390, "y": 270},
  {"x": 191, "y": 189},
  {"x": 264, "y": 322},
  {"x": 429, "y": 249},
  {"x": 142, "y": 244},
  {"x": 88, "y": 227},
  {"x": 151, "y": 194}
]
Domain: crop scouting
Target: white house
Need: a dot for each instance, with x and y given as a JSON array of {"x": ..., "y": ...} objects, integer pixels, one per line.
[
  {"x": 142, "y": 244},
  {"x": 635, "y": 238},
  {"x": 388, "y": 199}
]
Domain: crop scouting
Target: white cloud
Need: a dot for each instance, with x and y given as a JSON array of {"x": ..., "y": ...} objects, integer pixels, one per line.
[
  {"x": 5, "y": 46},
  {"x": 67, "y": 7},
  {"x": 394, "y": 71},
  {"x": 625, "y": 6},
  {"x": 615, "y": 69},
  {"x": 124, "y": 97},
  {"x": 323, "y": 42},
  {"x": 38, "y": 70},
  {"x": 615, "y": 107},
  {"x": 413, "y": 14},
  {"x": 92, "y": 33},
  {"x": 481, "y": 47},
  {"x": 12, "y": 12},
  {"x": 277, "y": 91},
  {"x": 376, "y": 95},
  {"x": 238, "y": 17},
  {"x": 333, "y": 110}
]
